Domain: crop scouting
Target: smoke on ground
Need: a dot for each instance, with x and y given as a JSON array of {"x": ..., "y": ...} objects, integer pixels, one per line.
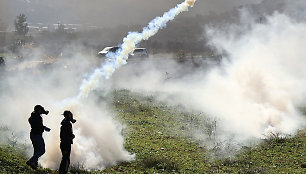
[
  {"x": 98, "y": 141},
  {"x": 258, "y": 89}
]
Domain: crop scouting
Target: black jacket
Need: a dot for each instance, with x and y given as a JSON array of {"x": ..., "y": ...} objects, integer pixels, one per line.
[
  {"x": 36, "y": 123},
  {"x": 66, "y": 134}
]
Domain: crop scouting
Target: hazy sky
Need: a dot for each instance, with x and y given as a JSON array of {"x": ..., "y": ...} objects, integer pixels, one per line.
[{"x": 105, "y": 12}]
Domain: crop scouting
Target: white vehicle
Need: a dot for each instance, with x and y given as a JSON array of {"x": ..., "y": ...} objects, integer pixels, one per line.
[
  {"x": 107, "y": 50},
  {"x": 138, "y": 52}
]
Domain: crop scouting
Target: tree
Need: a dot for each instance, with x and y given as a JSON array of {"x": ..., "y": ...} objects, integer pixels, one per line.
[
  {"x": 21, "y": 25},
  {"x": 21, "y": 30}
]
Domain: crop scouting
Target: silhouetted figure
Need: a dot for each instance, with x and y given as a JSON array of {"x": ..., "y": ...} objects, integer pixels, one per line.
[
  {"x": 37, "y": 128},
  {"x": 67, "y": 137}
]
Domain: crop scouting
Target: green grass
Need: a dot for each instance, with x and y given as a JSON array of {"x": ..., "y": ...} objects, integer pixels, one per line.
[
  {"x": 161, "y": 138},
  {"x": 12, "y": 160}
]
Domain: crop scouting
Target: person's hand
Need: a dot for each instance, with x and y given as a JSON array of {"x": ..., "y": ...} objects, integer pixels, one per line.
[{"x": 47, "y": 129}]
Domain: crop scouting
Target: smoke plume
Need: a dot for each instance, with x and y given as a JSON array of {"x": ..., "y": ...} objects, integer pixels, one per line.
[
  {"x": 265, "y": 76},
  {"x": 98, "y": 141},
  {"x": 128, "y": 46},
  {"x": 258, "y": 89}
]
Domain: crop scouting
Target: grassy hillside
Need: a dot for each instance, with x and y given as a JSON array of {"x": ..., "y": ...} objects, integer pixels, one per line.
[{"x": 162, "y": 141}]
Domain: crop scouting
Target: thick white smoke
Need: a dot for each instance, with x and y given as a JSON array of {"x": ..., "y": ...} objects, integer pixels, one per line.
[
  {"x": 98, "y": 141},
  {"x": 258, "y": 88},
  {"x": 262, "y": 88}
]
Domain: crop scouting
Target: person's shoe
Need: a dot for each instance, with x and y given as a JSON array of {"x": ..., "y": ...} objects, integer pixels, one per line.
[{"x": 32, "y": 165}]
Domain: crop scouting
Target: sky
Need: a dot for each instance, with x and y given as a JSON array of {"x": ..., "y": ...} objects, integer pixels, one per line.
[{"x": 105, "y": 13}]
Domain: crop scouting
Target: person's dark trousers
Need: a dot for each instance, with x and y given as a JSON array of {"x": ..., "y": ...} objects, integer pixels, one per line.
[
  {"x": 39, "y": 147},
  {"x": 66, "y": 150}
]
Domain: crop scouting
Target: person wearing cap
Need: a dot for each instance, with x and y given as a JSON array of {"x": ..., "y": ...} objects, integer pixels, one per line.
[
  {"x": 67, "y": 136},
  {"x": 37, "y": 128}
]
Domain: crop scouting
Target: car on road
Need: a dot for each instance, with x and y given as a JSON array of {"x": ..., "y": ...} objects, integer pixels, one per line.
[
  {"x": 138, "y": 52},
  {"x": 107, "y": 50}
]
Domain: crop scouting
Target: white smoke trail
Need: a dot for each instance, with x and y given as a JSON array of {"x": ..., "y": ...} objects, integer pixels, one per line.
[
  {"x": 88, "y": 143},
  {"x": 128, "y": 46}
]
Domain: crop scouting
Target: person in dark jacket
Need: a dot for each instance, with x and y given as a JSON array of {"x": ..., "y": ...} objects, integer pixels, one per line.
[
  {"x": 37, "y": 128},
  {"x": 67, "y": 137}
]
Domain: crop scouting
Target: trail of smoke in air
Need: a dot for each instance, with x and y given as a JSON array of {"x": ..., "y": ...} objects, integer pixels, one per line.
[{"x": 128, "y": 46}]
